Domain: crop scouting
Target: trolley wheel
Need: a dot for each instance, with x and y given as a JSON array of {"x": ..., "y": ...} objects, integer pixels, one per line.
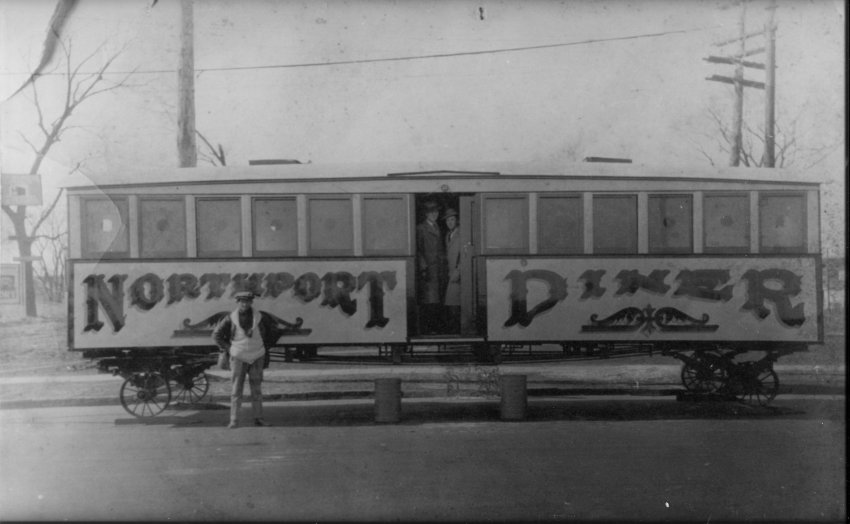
[
  {"x": 753, "y": 384},
  {"x": 703, "y": 376},
  {"x": 145, "y": 394},
  {"x": 192, "y": 388}
]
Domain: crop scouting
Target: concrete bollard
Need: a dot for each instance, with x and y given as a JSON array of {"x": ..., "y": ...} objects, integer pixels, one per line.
[
  {"x": 387, "y": 399},
  {"x": 514, "y": 397}
]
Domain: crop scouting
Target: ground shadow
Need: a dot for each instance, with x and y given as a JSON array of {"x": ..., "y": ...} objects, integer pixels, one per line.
[{"x": 362, "y": 413}]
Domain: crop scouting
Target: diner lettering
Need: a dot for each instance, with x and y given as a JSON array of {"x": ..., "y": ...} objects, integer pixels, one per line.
[{"x": 705, "y": 284}]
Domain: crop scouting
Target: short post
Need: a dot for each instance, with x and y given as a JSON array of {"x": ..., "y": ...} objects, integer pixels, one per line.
[
  {"x": 514, "y": 397},
  {"x": 387, "y": 399}
]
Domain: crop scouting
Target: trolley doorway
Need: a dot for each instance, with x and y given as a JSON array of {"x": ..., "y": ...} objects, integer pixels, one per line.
[{"x": 445, "y": 264}]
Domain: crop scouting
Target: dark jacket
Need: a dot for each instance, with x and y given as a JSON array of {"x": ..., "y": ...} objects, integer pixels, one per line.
[{"x": 431, "y": 263}]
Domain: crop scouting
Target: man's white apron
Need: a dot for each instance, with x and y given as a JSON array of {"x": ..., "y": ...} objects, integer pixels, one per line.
[{"x": 243, "y": 347}]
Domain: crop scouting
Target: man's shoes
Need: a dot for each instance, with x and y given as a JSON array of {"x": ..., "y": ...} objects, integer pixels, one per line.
[
  {"x": 261, "y": 422},
  {"x": 233, "y": 425}
]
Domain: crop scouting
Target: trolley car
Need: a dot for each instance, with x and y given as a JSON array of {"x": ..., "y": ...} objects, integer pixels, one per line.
[{"x": 701, "y": 264}]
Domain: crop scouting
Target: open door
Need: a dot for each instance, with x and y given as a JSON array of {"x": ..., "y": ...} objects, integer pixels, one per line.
[{"x": 468, "y": 279}]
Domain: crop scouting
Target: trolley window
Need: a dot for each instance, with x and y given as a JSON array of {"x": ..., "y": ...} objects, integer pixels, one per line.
[
  {"x": 330, "y": 231},
  {"x": 782, "y": 223},
  {"x": 506, "y": 223},
  {"x": 162, "y": 227},
  {"x": 615, "y": 224},
  {"x": 385, "y": 225},
  {"x": 275, "y": 226},
  {"x": 671, "y": 223},
  {"x": 219, "y": 227},
  {"x": 559, "y": 224},
  {"x": 726, "y": 222},
  {"x": 104, "y": 223}
]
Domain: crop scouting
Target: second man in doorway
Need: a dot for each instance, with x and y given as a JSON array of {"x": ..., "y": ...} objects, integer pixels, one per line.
[{"x": 453, "y": 248}]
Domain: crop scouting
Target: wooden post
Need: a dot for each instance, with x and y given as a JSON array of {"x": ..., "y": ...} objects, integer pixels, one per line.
[
  {"x": 769, "y": 159},
  {"x": 186, "y": 147}
]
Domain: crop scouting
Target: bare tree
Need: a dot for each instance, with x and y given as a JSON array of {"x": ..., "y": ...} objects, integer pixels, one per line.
[
  {"x": 52, "y": 245},
  {"x": 788, "y": 151},
  {"x": 216, "y": 154},
  {"x": 79, "y": 87}
]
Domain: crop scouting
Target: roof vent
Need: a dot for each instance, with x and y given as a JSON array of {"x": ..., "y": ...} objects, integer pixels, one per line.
[
  {"x": 272, "y": 162},
  {"x": 608, "y": 159}
]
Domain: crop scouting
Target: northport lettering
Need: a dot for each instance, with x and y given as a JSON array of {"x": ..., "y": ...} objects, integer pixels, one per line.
[{"x": 149, "y": 290}]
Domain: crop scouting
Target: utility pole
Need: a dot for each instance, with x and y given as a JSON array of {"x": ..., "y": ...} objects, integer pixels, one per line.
[
  {"x": 738, "y": 81},
  {"x": 769, "y": 159},
  {"x": 738, "y": 107},
  {"x": 187, "y": 149}
]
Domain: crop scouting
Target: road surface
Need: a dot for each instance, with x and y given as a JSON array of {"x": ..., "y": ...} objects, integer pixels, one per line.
[{"x": 573, "y": 458}]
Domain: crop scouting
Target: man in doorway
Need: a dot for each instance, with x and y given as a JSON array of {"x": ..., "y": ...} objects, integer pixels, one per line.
[
  {"x": 430, "y": 261},
  {"x": 452, "y": 298},
  {"x": 243, "y": 335}
]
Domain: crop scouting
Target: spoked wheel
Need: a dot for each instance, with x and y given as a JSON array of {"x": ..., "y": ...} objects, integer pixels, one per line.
[
  {"x": 145, "y": 394},
  {"x": 703, "y": 375},
  {"x": 753, "y": 384},
  {"x": 191, "y": 389}
]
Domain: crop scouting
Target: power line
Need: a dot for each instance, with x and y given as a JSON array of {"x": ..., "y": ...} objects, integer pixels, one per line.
[{"x": 403, "y": 58}]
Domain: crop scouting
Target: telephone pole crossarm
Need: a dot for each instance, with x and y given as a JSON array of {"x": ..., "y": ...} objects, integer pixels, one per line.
[
  {"x": 734, "y": 61},
  {"x": 730, "y": 80}
]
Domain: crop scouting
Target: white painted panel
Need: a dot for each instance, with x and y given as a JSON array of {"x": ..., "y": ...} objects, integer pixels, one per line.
[
  {"x": 154, "y": 304},
  {"x": 653, "y": 299}
]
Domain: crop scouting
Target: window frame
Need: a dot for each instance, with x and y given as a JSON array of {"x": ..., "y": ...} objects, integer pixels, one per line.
[
  {"x": 405, "y": 201},
  {"x": 670, "y": 250},
  {"x": 123, "y": 213},
  {"x": 171, "y": 254},
  {"x": 524, "y": 198},
  {"x": 198, "y": 224},
  {"x": 347, "y": 252},
  {"x": 595, "y": 197},
  {"x": 747, "y": 230},
  {"x": 254, "y": 229},
  {"x": 804, "y": 223},
  {"x": 579, "y": 198}
]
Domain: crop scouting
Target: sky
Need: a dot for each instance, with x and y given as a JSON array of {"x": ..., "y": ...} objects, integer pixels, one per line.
[{"x": 358, "y": 81}]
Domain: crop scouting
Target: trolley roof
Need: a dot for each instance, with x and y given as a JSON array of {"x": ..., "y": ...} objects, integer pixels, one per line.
[{"x": 400, "y": 171}]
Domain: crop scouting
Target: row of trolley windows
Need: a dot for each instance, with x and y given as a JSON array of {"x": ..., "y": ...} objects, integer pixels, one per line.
[{"x": 560, "y": 228}]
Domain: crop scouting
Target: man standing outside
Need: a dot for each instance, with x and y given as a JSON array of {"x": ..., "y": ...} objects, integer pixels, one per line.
[
  {"x": 452, "y": 299},
  {"x": 430, "y": 258},
  {"x": 243, "y": 335}
]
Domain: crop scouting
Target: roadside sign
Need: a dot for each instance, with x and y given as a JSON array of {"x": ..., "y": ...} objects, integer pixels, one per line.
[
  {"x": 11, "y": 284},
  {"x": 20, "y": 190}
]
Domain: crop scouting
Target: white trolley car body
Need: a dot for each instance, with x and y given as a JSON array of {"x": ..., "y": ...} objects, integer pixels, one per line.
[{"x": 580, "y": 254}]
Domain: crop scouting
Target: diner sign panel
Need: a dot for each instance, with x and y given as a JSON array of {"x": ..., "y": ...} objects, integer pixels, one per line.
[
  {"x": 177, "y": 303},
  {"x": 653, "y": 299}
]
